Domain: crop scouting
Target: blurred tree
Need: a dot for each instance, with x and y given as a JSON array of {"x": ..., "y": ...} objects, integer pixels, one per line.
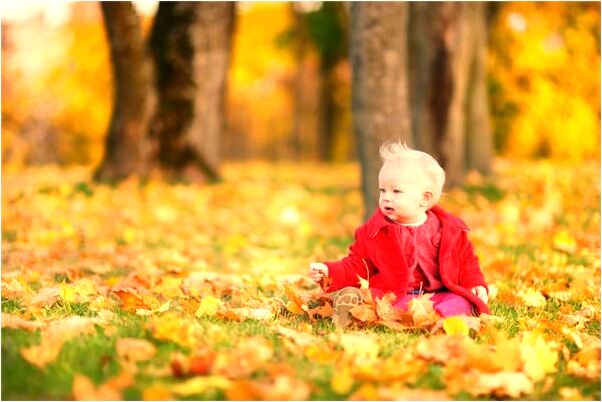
[
  {"x": 327, "y": 29},
  {"x": 133, "y": 99},
  {"x": 378, "y": 34},
  {"x": 434, "y": 100},
  {"x": 189, "y": 45},
  {"x": 318, "y": 38},
  {"x": 450, "y": 117},
  {"x": 190, "y": 42}
]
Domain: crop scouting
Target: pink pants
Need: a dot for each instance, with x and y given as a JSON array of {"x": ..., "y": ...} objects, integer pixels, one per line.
[{"x": 446, "y": 304}]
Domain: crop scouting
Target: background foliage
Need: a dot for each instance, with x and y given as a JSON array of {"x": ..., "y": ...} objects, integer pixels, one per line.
[{"x": 544, "y": 64}]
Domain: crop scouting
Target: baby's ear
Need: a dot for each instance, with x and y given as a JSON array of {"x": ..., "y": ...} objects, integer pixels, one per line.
[{"x": 427, "y": 199}]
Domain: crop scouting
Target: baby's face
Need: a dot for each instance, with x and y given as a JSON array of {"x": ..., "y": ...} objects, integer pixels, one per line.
[{"x": 404, "y": 192}]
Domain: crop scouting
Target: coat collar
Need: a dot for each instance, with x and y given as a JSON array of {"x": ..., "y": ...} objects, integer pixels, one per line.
[{"x": 378, "y": 221}]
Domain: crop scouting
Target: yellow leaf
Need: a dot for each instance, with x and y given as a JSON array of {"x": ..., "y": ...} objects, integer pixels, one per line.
[
  {"x": 200, "y": 385},
  {"x": 563, "y": 241},
  {"x": 360, "y": 345},
  {"x": 321, "y": 354},
  {"x": 364, "y": 284},
  {"x": 294, "y": 307},
  {"x": 156, "y": 392},
  {"x": 455, "y": 326},
  {"x": 342, "y": 380},
  {"x": 67, "y": 293},
  {"x": 533, "y": 298},
  {"x": 538, "y": 357},
  {"x": 209, "y": 306}
]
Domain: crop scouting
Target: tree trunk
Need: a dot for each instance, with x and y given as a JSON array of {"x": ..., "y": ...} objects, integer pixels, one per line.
[
  {"x": 191, "y": 46},
  {"x": 134, "y": 100},
  {"x": 447, "y": 85},
  {"x": 479, "y": 135},
  {"x": 327, "y": 112},
  {"x": 378, "y": 39},
  {"x": 304, "y": 87}
]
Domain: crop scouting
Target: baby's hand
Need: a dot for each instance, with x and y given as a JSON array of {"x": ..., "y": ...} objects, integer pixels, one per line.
[
  {"x": 481, "y": 293},
  {"x": 317, "y": 271}
]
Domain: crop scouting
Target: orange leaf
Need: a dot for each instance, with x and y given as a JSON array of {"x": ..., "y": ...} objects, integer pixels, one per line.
[
  {"x": 135, "y": 350},
  {"x": 85, "y": 390},
  {"x": 156, "y": 392},
  {"x": 295, "y": 304},
  {"x": 322, "y": 311},
  {"x": 385, "y": 309},
  {"x": 16, "y": 322},
  {"x": 422, "y": 311},
  {"x": 130, "y": 300},
  {"x": 364, "y": 313}
]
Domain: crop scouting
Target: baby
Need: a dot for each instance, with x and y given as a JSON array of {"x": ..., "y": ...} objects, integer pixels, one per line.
[{"x": 409, "y": 246}]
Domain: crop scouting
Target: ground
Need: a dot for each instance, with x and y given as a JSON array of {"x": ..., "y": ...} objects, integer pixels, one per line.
[{"x": 152, "y": 290}]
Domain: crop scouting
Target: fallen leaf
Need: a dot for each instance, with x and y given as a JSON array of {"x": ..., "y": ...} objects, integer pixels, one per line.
[
  {"x": 201, "y": 385},
  {"x": 282, "y": 388},
  {"x": 455, "y": 326},
  {"x": 422, "y": 311},
  {"x": 538, "y": 357},
  {"x": 135, "y": 350},
  {"x": 361, "y": 346},
  {"x": 16, "y": 322},
  {"x": 53, "y": 336},
  {"x": 501, "y": 384},
  {"x": 85, "y": 390},
  {"x": 209, "y": 306},
  {"x": 364, "y": 313},
  {"x": 156, "y": 392},
  {"x": 342, "y": 380},
  {"x": 45, "y": 297},
  {"x": 533, "y": 298}
]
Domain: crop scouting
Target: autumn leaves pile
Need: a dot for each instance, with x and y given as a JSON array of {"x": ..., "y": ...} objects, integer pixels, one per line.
[{"x": 198, "y": 290}]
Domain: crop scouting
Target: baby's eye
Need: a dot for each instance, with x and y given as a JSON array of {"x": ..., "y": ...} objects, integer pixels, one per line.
[
  {"x": 382, "y": 190},
  {"x": 397, "y": 191}
]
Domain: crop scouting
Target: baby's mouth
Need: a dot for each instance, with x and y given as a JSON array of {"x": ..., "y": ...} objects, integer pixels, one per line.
[{"x": 389, "y": 209}]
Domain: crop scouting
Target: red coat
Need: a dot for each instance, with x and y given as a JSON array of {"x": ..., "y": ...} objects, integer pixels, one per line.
[{"x": 376, "y": 255}]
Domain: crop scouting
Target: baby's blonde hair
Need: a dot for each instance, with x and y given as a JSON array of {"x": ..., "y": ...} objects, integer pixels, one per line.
[{"x": 399, "y": 151}]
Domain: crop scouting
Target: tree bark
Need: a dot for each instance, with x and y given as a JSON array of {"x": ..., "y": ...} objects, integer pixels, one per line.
[
  {"x": 191, "y": 46},
  {"x": 479, "y": 134},
  {"x": 134, "y": 100},
  {"x": 447, "y": 42},
  {"x": 378, "y": 39}
]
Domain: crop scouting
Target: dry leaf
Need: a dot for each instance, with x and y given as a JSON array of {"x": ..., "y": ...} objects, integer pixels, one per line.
[
  {"x": 342, "y": 380},
  {"x": 135, "y": 350},
  {"x": 539, "y": 358},
  {"x": 85, "y": 390},
  {"x": 364, "y": 313},
  {"x": 16, "y": 322},
  {"x": 422, "y": 311},
  {"x": 54, "y": 335},
  {"x": 201, "y": 385},
  {"x": 455, "y": 326},
  {"x": 533, "y": 298},
  {"x": 157, "y": 392}
]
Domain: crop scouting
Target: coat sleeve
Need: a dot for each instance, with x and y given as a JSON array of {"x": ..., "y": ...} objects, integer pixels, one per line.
[
  {"x": 346, "y": 271},
  {"x": 470, "y": 270}
]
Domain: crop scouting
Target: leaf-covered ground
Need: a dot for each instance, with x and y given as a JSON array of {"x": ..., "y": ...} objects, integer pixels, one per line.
[{"x": 169, "y": 291}]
